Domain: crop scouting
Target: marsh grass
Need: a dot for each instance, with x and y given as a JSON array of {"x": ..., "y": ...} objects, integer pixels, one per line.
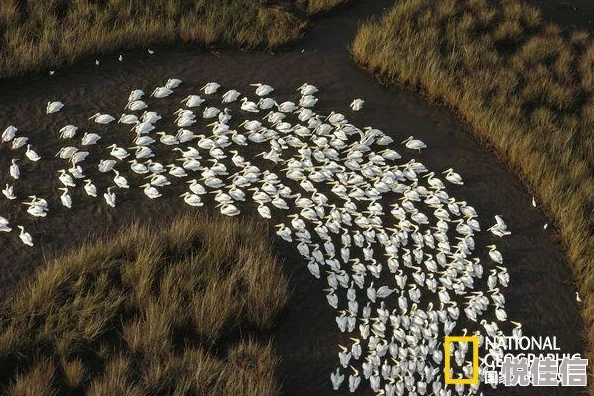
[
  {"x": 179, "y": 309},
  {"x": 524, "y": 88},
  {"x": 48, "y": 34}
]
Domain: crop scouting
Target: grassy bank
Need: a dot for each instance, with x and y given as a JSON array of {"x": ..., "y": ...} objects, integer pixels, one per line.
[
  {"x": 37, "y": 35},
  {"x": 524, "y": 88},
  {"x": 180, "y": 309}
]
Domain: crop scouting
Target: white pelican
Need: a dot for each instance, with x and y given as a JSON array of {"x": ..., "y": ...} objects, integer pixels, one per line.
[
  {"x": 262, "y": 89},
  {"x": 14, "y": 169},
  {"x": 120, "y": 180},
  {"x": 118, "y": 152},
  {"x": 32, "y": 155},
  {"x": 414, "y": 144},
  {"x": 128, "y": 119},
  {"x": 65, "y": 197},
  {"x": 173, "y": 83},
  {"x": 453, "y": 177},
  {"x": 53, "y": 107},
  {"x": 357, "y": 104},
  {"x": 210, "y": 88},
  {"x": 8, "y": 191},
  {"x": 90, "y": 188},
  {"x": 230, "y": 96},
  {"x": 193, "y": 100},
  {"x": 307, "y": 89},
  {"x": 249, "y": 106},
  {"x": 110, "y": 198},
  {"x": 9, "y": 133},
  {"x": 19, "y": 142},
  {"x": 25, "y": 236},
  {"x": 161, "y": 92},
  {"x": 102, "y": 118},
  {"x": 4, "y": 225},
  {"x": 68, "y": 131},
  {"x": 136, "y": 105},
  {"x": 105, "y": 166},
  {"x": 150, "y": 191},
  {"x": 192, "y": 199},
  {"x": 135, "y": 95}
]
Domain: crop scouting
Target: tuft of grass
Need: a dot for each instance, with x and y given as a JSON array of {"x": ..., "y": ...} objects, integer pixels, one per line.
[
  {"x": 525, "y": 90},
  {"x": 321, "y": 6},
  {"x": 178, "y": 309}
]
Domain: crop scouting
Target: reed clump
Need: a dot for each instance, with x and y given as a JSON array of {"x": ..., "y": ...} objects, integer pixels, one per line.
[
  {"x": 525, "y": 88},
  {"x": 179, "y": 309}
]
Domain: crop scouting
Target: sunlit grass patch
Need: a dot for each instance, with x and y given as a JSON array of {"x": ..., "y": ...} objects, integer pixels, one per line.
[
  {"x": 153, "y": 310},
  {"x": 524, "y": 88}
]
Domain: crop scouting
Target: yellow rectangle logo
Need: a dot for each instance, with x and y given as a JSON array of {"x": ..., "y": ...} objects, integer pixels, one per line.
[{"x": 475, "y": 360}]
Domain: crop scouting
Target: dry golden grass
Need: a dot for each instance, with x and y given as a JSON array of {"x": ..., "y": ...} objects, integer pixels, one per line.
[
  {"x": 49, "y": 34},
  {"x": 170, "y": 310},
  {"x": 320, "y": 6},
  {"x": 524, "y": 89}
]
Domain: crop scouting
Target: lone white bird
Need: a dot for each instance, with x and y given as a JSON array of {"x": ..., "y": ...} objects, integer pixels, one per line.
[
  {"x": 53, "y": 107},
  {"x": 357, "y": 104}
]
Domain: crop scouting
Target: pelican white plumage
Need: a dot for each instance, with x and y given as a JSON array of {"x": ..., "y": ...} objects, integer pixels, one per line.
[
  {"x": 102, "y": 118},
  {"x": 173, "y": 83},
  {"x": 120, "y": 180},
  {"x": 25, "y": 236},
  {"x": 32, "y": 155},
  {"x": 495, "y": 255},
  {"x": 4, "y": 225},
  {"x": 65, "y": 197},
  {"x": 307, "y": 89},
  {"x": 230, "y": 96},
  {"x": 193, "y": 101},
  {"x": 453, "y": 177},
  {"x": 135, "y": 95},
  {"x": 118, "y": 152},
  {"x": 150, "y": 191},
  {"x": 192, "y": 199},
  {"x": 90, "y": 188},
  {"x": 161, "y": 92},
  {"x": 414, "y": 144},
  {"x": 247, "y": 105},
  {"x": 15, "y": 172},
  {"x": 110, "y": 197},
  {"x": 128, "y": 119},
  {"x": 19, "y": 142},
  {"x": 210, "y": 88},
  {"x": 136, "y": 105},
  {"x": 8, "y": 192},
  {"x": 9, "y": 133},
  {"x": 53, "y": 107},
  {"x": 357, "y": 104},
  {"x": 262, "y": 89},
  {"x": 68, "y": 131},
  {"x": 105, "y": 166}
]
